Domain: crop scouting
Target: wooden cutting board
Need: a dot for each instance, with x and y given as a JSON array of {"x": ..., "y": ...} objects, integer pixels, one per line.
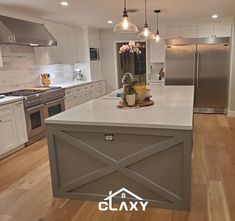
[{"x": 38, "y": 88}]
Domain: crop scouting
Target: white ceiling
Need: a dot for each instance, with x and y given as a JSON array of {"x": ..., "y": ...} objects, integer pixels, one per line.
[{"x": 96, "y": 13}]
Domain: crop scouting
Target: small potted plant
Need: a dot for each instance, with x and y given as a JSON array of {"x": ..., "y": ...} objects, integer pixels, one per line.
[
  {"x": 126, "y": 81},
  {"x": 130, "y": 96}
]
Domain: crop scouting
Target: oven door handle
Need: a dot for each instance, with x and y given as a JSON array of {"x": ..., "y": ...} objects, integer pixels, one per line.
[
  {"x": 55, "y": 101},
  {"x": 34, "y": 108}
]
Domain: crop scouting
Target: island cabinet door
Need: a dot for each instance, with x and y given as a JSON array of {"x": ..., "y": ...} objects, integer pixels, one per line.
[{"x": 88, "y": 162}]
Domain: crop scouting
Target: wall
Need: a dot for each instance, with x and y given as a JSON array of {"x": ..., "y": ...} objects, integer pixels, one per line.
[
  {"x": 107, "y": 39},
  {"x": 19, "y": 69},
  {"x": 232, "y": 78}
]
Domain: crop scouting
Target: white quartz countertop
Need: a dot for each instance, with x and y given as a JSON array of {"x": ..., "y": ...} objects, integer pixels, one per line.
[
  {"x": 9, "y": 99},
  {"x": 173, "y": 109},
  {"x": 71, "y": 84}
]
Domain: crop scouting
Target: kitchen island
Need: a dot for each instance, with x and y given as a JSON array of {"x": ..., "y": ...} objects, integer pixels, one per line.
[{"x": 96, "y": 147}]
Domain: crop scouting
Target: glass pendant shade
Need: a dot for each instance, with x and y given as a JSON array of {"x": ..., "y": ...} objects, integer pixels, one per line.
[
  {"x": 125, "y": 26},
  {"x": 146, "y": 33},
  {"x": 157, "y": 37}
]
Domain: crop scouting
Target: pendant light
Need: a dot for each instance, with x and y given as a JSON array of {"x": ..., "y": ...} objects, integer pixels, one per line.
[
  {"x": 125, "y": 26},
  {"x": 157, "y": 36},
  {"x": 146, "y": 33}
]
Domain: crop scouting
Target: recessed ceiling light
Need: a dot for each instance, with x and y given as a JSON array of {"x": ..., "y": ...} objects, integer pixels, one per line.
[
  {"x": 110, "y": 22},
  {"x": 215, "y": 16},
  {"x": 64, "y": 3}
]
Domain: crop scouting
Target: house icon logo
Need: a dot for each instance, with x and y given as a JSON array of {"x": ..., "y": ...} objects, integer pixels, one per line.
[{"x": 125, "y": 205}]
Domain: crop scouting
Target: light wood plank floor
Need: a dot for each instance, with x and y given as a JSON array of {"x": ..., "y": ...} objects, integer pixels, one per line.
[{"x": 26, "y": 189}]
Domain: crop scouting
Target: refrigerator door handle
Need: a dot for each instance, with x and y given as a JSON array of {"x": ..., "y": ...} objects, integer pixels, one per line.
[
  {"x": 198, "y": 66},
  {"x": 194, "y": 65}
]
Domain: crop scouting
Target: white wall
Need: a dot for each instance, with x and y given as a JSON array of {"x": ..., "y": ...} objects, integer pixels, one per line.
[{"x": 107, "y": 39}]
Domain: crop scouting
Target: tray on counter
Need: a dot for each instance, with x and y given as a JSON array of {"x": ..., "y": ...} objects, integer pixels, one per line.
[{"x": 145, "y": 103}]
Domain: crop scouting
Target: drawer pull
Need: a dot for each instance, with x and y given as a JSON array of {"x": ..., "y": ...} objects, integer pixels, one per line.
[{"x": 109, "y": 137}]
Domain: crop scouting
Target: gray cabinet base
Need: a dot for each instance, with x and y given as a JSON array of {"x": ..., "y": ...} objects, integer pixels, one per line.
[{"x": 88, "y": 161}]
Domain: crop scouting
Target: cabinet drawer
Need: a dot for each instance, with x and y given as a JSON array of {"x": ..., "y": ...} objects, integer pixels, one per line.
[
  {"x": 68, "y": 92},
  {"x": 100, "y": 84},
  {"x": 73, "y": 91},
  {"x": 85, "y": 87},
  {"x": 6, "y": 110}
]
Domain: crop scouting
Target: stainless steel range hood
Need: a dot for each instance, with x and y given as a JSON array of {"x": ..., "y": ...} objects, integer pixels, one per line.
[{"x": 20, "y": 32}]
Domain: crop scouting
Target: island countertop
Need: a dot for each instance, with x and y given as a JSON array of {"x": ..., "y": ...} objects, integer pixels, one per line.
[{"x": 173, "y": 109}]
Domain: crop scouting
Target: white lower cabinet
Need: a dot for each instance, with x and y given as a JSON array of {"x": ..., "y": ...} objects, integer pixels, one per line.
[
  {"x": 13, "y": 132},
  {"x": 20, "y": 123},
  {"x": 84, "y": 93}
]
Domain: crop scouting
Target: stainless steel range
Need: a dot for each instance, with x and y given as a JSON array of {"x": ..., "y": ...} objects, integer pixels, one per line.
[{"x": 40, "y": 103}]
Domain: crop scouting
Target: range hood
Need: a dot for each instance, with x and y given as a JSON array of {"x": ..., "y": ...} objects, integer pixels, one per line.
[{"x": 20, "y": 32}]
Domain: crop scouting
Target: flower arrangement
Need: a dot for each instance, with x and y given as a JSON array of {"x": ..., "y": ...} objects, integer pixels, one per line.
[{"x": 131, "y": 47}]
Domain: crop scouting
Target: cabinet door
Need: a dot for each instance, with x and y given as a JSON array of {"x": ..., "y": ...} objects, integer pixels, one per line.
[
  {"x": 75, "y": 45},
  {"x": 8, "y": 137},
  {"x": 223, "y": 30},
  {"x": 92, "y": 40},
  {"x": 173, "y": 32},
  {"x": 205, "y": 31},
  {"x": 20, "y": 123},
  {"x": 70, "y": 102},
  {"x": 189, "y": 31},
  {"x": 157, "y": 52},
  {"x": 58, "y": 54}
]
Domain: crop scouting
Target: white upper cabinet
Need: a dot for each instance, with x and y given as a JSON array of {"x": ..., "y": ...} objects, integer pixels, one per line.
[
  {"x": 199, "y": 31},
  {"x": 223, "y": 30},
  {"x": 58, "y": 54},
  {"x": 205, "y": 31},
  {"x": 181, "y": 32},
  {"x": 214, "y": 30},
  {"x": 94, "y": 38},
  {"x": 173, "y": 32},
  {"x": 189, "y": 31},
  {"x": 157, "y": 52},
  {"x": 69, "y": 49},
  {"x": 75, "y": 45}
]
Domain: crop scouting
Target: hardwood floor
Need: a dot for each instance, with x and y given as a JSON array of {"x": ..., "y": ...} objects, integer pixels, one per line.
[{"x": 26, "y": 189}]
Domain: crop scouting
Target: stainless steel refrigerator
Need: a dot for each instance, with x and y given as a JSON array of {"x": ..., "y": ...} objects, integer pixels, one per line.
[{"x": 204, "y": 63}]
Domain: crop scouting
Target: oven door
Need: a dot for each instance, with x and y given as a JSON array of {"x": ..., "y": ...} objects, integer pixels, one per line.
[
  {"x": 54, "y": 107},
  {"x": 35, "y": 120}
]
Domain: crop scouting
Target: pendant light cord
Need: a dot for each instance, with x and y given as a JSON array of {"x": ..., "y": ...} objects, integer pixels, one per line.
[
  {"x": 146, "y": 12},
  {"x": 125, "y": 11},
  {"x": 157, "y": 22}
]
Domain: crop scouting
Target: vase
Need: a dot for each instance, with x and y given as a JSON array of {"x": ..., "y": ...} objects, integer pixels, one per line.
[
  {"x": 130, "y": 99},
  {"x": 45, "y": 82},
  {"x": 127, "y": 60},
  {"x": 140, "y": 90}
]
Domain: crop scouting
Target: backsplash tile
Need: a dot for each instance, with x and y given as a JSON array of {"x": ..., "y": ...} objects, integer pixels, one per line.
[{"x": 20, "y": 70}]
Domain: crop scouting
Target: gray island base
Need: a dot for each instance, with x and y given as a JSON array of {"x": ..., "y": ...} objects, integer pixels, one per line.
[{"x": 88, "y": 161}]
